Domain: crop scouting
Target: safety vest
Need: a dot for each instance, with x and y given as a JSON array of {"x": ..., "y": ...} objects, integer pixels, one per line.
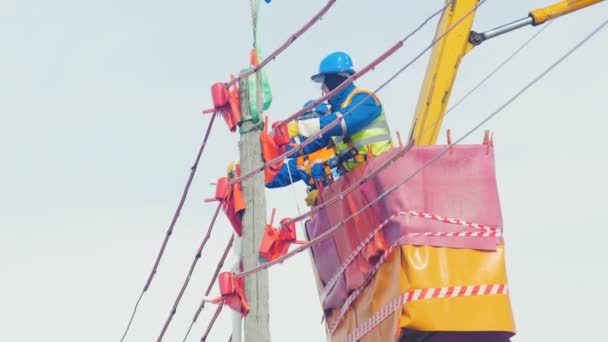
[
  {"x": 374, "y": 139},
  {"x": 323, "y": 156}
]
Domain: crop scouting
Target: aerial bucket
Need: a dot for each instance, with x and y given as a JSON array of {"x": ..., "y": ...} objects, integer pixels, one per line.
[{"x": 442, "y": 267}]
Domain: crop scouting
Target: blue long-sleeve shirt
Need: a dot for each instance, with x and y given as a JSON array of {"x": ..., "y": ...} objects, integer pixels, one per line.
[
  {"x": 283, "y": 178},
  {"x": 362, "y": 110},
  {"x": 315, "y": 145}
]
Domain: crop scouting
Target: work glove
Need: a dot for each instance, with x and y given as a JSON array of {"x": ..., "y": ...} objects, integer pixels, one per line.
[
  {"x": 230, "y": 169},
  {"x": 311, "y": 198},
  {"x": 318, "y": 172},
  {"x": 309, "y": 128},
  {"x": 292, "y": 129},
  {"x": 280, "y": 134}
]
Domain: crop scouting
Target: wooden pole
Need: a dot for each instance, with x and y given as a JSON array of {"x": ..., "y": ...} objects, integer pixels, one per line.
[{"x": 257, "y": 328}]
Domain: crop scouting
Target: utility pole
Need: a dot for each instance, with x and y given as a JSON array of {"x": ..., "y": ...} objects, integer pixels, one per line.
[{"x": 257, "y": 327}]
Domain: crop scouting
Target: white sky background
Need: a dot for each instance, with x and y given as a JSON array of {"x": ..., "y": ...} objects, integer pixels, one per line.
[{"x": 100, "y": 123}]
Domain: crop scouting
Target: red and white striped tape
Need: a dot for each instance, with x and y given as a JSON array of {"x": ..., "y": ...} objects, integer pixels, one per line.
[
  {"x": 451, "y": 220},
  {"x": 488, "y": 231},
  {"x": 458, "y": 234},
  {"x": 422, "y": 294},
  {"x": 351, "y": 298},
  {"x": 334, "y": 279}
]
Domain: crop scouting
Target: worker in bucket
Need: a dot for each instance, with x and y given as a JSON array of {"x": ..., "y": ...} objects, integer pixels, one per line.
[
  {"x": 315, "y": 164},
  {"x": 363, "y": 132}
]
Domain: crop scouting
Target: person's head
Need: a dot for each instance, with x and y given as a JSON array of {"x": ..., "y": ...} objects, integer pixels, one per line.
[{"x": 334, "y": 69}]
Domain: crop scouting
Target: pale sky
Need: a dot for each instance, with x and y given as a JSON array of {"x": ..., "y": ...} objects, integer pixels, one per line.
[{"x": 100, "y": 122}]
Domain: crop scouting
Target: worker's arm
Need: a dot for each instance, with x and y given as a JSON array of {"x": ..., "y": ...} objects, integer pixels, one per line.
[
  {"x": 315, "y": 145},
  {"x": 283, "y": 178},
  {"x": 361, "y": 112}
]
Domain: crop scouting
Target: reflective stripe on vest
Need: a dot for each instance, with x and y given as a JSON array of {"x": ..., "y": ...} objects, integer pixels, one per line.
[{"x": 376, "y": 136}]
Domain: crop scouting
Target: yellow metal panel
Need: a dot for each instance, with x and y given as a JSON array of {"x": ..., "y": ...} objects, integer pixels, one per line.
[
  {"x": 441, "y": 72},
  {"x": 421, "y": 267},
  {"x": 433, "y": 267}
]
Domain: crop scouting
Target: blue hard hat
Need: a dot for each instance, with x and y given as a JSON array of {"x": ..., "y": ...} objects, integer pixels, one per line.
[{"x": 334, "y": 63}]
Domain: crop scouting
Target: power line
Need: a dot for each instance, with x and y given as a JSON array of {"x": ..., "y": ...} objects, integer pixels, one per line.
[
  {"x": 338, "y": 197},
  {"x": 484, "y": 230},
  {"x": 495, "y": 70},
  {"x": 355, "y": 294},
  {"x": 334, "y": 279},
  {"x": 172, "y": 224},
  {"x": 210, "y": 286},
  {"x": 212, "y": 322},
  {"x": 190, "y": 271},
  {"x": 363, "y": 71},
  {"x": 272, "y": 56},
  {"x": 371, "y": 66},
  {"x": 285, "y": 45},
  {"x": 408, "y": 147},
  {"x": 351, "y": 79}
]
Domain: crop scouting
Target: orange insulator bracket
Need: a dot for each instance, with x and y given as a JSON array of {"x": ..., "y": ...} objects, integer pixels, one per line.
[
  {"x": 232, "y": 201},
  {"x": 226, "y": 101},
  {"x": 276, "y": 242},
  {"x": 269, "y": 244},
  {"x": 270, "y": 151},
  {"x": 233, "y": 293},
  {"x": 222, "y": 190},
  {"x": 280, "y": 134}
]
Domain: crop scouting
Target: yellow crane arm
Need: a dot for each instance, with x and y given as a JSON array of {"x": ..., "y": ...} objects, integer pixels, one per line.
[
  {"x": 441, "y": 71},
  {"x": 542, "y": 15},
  {"x": 447, "y": 54}
]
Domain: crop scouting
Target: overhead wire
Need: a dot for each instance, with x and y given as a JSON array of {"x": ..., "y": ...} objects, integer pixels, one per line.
[
  {"x": 212, "y": 322},
  {"x": 197, "y": 256},
  {"x": 254, "y": 10},
  {"x": 286, "y": 44},
  {"x": 261, "y": 65},
  {"x": 365, "y": 70},
  {"x": 242, "y": 178},
  {"x": 408, "y": 147},
  {"x": 497, "y": 68},
  {"x": 338, "y": 197},
  {"x": 295, "y": 195},
  {"x": 210, "y": 286},
  {"x": 172, "y": 224},
  {"x": 475, "y": 128},
  {"x": 333, "y": 280},
  {"x": 349, "y": 80},
  {"x": 320, "y": 238},
  {"x": 369, "y": 67}
]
